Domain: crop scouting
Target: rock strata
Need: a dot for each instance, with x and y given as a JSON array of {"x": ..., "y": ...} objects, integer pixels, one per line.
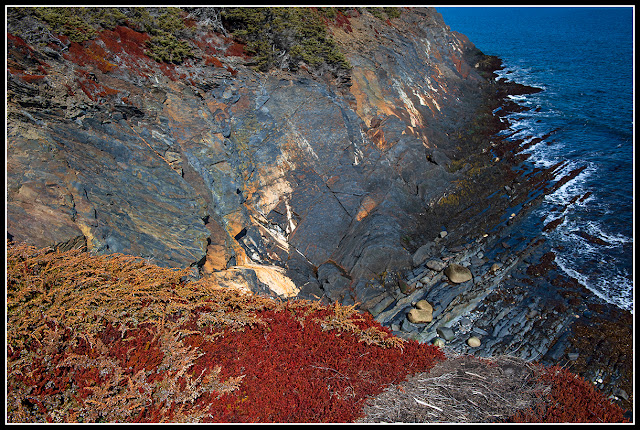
[{"x": 207, "y": 162}]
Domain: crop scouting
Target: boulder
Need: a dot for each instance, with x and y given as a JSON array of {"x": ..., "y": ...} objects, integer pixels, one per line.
[
  {"x": 473, "y": 342},
  {"x": 420, "y": 316},
  {"x": 424, "y": 305},
  {"x": 457, "y": 273},
  {"x": 446, "y": 333}
]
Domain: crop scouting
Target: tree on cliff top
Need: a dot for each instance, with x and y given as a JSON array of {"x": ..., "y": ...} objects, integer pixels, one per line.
[{"x": 283, "y": 37}]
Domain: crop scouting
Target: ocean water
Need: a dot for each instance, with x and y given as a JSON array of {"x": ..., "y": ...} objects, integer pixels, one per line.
[{"x": 583, "y": 59}]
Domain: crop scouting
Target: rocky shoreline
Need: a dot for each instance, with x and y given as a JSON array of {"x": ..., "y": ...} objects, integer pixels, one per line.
[{"x": 515, "y": 301}]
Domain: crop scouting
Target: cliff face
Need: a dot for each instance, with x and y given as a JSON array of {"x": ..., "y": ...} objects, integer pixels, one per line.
[{"x": 277, "y": 176}]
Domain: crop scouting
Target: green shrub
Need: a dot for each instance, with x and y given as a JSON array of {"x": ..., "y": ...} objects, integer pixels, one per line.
[
  {"x": 384, "y": 12},
  {"x": 392, "y": 12},
  {"x": 165, "y": 25},
  {"x": 79, "y": 23},
  {"x": 165, "y": 47},
  {"x": 285, "y": 36},
  {"x": 70, "y": 21}
]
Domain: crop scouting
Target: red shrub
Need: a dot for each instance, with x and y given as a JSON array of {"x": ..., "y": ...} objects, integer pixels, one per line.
[
  {"x": 31, "y": 78},
  {"x": 20, "y": 53},
  {"x": 169, "y": 70},
  {"x": 571, "y": 400},
  {"x": 296, "y": 372},
  {"x": 212, "y": 61},
  {"x": 343, "y": 22},
  {"x": 236, "y": 50}
]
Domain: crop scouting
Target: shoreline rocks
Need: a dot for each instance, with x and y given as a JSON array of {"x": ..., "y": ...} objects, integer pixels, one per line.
[
  {"x": 457, "y": 273},
  {"x": 504, "y": 310}
]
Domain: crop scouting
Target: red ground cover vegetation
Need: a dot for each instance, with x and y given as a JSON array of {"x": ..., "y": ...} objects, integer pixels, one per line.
[
  {"x": 571, "y": 400},
  {"x": 114, "y": 339}
]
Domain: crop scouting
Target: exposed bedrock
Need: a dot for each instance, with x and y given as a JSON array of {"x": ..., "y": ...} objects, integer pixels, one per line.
[{"x": 213, "y": 164}]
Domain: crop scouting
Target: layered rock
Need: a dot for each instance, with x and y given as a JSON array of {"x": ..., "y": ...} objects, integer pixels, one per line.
[{"x": 210, "y": 163}]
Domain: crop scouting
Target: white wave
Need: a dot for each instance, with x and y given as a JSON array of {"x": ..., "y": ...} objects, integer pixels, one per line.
[
  {"x": 613, "y": 287},
  {"x": 575, "y": 187},
  {"x": 604, "y": 279},
  {"x": 521, "y": 75},
  {"x": 517, "y": 97},
  {"x": 595, "y": 229}
]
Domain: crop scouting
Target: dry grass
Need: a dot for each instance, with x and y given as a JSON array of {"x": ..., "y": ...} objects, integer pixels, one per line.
[
  {"x": 461, "y": 389},
  {"x": 103, "y": 338}
]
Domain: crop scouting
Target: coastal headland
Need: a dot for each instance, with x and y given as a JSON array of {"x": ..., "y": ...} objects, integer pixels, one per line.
[{"x": 360, "y": 170}]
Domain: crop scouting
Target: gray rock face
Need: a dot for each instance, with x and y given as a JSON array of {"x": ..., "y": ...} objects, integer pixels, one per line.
[
  {"x": 423, "y": 253},
  {"x": 195, "y": 164}
]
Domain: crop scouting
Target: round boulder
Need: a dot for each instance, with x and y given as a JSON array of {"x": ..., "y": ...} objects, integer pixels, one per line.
[
  {"x": 420, "y": 316},
  {"x": 424, "y": 305},
  {"x": 457, "y": 273},
  {"x": 473, "y": 342}
]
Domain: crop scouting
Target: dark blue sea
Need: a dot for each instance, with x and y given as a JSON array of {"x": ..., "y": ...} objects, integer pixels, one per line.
[{"x": 583, "y": 59}]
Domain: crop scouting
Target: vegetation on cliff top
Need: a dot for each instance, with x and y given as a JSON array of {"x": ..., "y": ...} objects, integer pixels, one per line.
[
  {"x": 282, "y": 37},
  {"x": 114, "y": 339},
  {"x": 273, "y": 37},
  {"x": 165, "y": 25}
]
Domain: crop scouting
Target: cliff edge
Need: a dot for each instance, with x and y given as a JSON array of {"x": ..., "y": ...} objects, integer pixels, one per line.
[{"x": 211, "y": 163}]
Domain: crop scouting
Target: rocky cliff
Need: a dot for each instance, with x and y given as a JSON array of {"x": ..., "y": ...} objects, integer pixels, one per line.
[
  {"x": 347, "y": 154},
  {"x": 303, "y": 181}
]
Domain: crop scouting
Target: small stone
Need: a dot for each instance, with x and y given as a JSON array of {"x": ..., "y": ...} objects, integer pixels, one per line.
[
  {"x": 495, "y": 267},
  {"x": 476, "y": 261},
  {"x": 443, "y": 233},
  {"x": 437, "y": 265},
  {"x": 473, "y": 342},
  {"x": 457, "y": 273},
  {"x": 438, "y": 342},
  {"x": 621, "y": 394},
  {"x": 420, "y": 316},
  {"x": 424, "y": 305},
  {"x": 404, "y": 287},
  {"x": 465, "y": 321},
  {"x": 445, "y": 332}
]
